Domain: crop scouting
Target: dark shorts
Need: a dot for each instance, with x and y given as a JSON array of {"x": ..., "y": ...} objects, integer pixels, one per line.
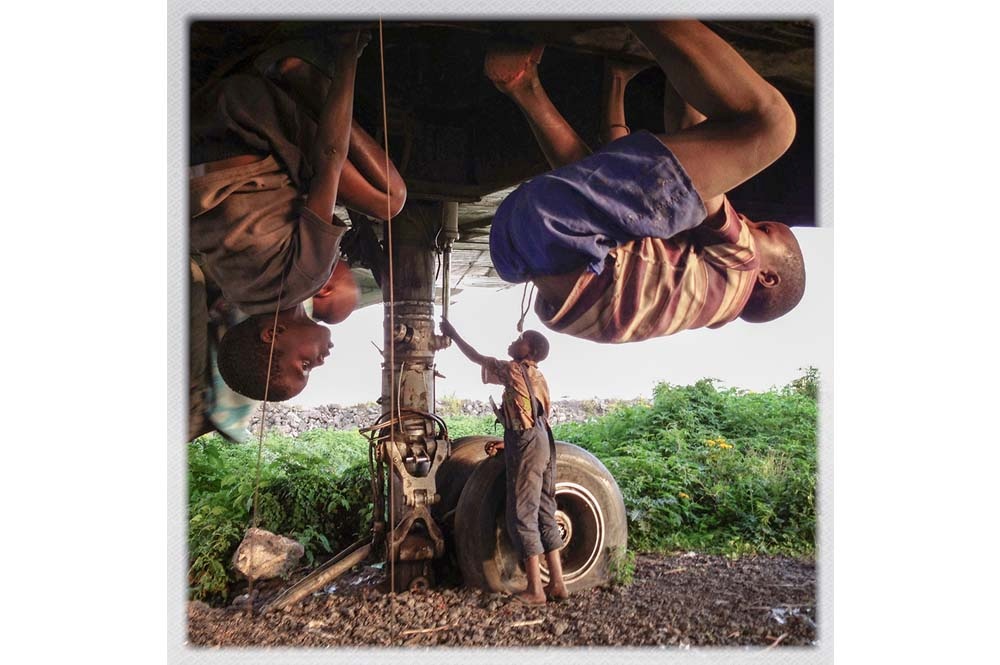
[
  {"x": 573, "y": 216},
  {"x": 530, "y": 458}
]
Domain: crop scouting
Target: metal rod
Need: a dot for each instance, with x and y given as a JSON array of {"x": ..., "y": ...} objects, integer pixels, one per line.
[
  {"x": 446, "y": 287},
  {"x": 449, "y": 224},
  {"x": 322, "y": 576}
]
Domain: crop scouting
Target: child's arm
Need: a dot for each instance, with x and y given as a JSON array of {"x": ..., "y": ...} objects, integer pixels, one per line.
[
  {"x": 333, "y": 129},
  {"x": 464, "y": 346}
]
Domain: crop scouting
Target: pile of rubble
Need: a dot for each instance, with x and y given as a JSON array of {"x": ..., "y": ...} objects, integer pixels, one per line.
[{"x": 294, "y": 420}]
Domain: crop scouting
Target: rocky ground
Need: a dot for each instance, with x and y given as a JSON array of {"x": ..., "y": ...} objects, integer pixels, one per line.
[
  {"x": 687, "y": 600},
  {"x": 293, "y": 420}
]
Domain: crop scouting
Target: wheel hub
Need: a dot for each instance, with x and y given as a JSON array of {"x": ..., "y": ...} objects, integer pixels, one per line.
[
  {"x": 565, "y": 528},
  {"x": 581, "y": 524}
]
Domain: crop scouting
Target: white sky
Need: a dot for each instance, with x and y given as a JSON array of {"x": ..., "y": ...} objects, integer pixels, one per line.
[{"x": 753, "y": 356}]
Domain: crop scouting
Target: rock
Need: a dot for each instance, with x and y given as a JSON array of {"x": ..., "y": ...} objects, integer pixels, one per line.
[
  {"x": 559, "y": 627},
  {"x": 242, "y": 601},
  {"x": 269, "y": 554},
  {"x": 198, "y": 606}
]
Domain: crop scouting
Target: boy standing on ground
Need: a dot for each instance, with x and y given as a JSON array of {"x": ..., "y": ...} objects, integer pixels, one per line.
[
  {"x": 638, "y": 239},
  {"x": 530, "y": 458}
]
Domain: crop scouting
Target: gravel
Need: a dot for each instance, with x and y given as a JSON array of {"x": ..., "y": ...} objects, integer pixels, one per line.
[{"x": 685, "y": 600}]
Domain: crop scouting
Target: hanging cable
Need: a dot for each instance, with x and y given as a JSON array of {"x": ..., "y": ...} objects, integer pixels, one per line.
[
  {"x": 525, "y": 305},
  {"x": 393, "y": 395},
  {"x": 255, "y": 516}
]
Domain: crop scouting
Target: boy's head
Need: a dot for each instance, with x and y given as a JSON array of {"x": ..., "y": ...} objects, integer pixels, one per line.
[
  {"x": 339, "y": 296},
  {"x": 781, "y": 276},
  {"x": 531, "y": 345},
  {"x": 299, "y": 346}
]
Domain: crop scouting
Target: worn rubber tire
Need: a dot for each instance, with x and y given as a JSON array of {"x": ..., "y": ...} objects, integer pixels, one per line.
[
  {"x": 589, "y": 501},
  {"x": 466, "y": 454}
]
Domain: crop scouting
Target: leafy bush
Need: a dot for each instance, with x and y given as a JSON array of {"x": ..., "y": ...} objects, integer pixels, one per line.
[
  {"x": 449, "y": 406},
  {"x": 621, "y": 566},
  {"x": 712, "y": 470},
  {"x": 473, "y": 425},
  {"x": 700, "y": 468},
  {"x": 314, "y": 489}
]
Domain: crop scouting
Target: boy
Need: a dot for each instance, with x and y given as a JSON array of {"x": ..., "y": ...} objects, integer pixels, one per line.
[
  {"x": 212, "y": 403},
  {"x": 267, "y": 172},
  {"x": 530, "y": 458},
  {"x": 638, "y": 240},
  {"x": 335, "y": 301}
]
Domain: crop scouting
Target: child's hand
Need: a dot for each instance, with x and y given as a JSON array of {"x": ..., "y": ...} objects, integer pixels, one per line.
[
  {"x": 364, "y": 37},
  {"x": 356, "y": 40},
  {"x": 447, "y": 328},
  {"x": 493, "y": 447}
]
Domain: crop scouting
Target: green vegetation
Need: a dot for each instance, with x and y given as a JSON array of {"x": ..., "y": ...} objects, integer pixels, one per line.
[
  {"x": 725, "y": 471},
  {"x": 315, "y": 489},
  {"x": 449, "y": 406},
  {"x": 622, "y": 567},
  {"x": 700, "y": 468}
]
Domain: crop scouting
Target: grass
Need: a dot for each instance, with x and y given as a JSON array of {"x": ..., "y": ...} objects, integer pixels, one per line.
[{"x": 700, "y": 468}]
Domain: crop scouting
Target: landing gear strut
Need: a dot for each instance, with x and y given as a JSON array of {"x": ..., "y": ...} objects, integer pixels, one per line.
[{"x": 411, "y": 443}]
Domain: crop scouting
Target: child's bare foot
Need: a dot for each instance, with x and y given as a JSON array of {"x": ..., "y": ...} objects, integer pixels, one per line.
[
  {"x": 356, "y": 39},
  {"x": 622, "y": 70},
  {"x": 511, "y": 66},
  {"x": 556, "y": 593},
  {"x": 526, "y": 598}
]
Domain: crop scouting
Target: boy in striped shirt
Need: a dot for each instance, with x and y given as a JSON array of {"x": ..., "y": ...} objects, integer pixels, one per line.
[{"x": 638, "y": 240}]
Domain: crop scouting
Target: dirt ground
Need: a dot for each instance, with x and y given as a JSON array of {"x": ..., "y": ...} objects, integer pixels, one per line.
[{"x": 685, "y": 600}]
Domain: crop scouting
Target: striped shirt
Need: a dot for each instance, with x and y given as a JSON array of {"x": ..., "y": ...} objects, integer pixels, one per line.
[
  {"x": 516, "y": 398},
  {"x": 652, "y": 287}
]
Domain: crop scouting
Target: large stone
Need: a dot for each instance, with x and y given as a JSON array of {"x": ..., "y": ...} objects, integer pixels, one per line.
[{"x": 263, "y": 555}]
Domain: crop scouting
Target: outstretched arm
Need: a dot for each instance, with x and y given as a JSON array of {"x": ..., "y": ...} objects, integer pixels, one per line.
[
  {"x": 333, "y": 130},
  {"x": 464, "y": 346}
]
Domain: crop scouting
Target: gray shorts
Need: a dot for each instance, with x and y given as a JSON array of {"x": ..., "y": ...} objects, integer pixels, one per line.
[{"x": 530, "y": 457}]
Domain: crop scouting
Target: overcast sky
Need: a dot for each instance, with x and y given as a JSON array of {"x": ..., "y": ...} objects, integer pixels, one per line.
[{"x": 752, "y": 356}]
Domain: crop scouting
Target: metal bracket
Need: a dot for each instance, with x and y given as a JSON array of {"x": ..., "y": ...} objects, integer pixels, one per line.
[{"x": 403, "y": 546}]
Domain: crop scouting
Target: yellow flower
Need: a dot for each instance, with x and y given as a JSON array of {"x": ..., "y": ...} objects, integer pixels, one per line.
[
  {"x": 711, "y": 442},
  {"x": 725, "y": 445},
  {"x": 683, "y": 495}
]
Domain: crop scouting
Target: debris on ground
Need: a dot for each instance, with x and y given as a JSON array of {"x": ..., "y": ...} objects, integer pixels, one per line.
[{"x": 684, "y": 601}]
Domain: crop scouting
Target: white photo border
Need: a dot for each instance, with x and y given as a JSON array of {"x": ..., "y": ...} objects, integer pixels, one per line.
[{"x": 180, "y": 14}]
